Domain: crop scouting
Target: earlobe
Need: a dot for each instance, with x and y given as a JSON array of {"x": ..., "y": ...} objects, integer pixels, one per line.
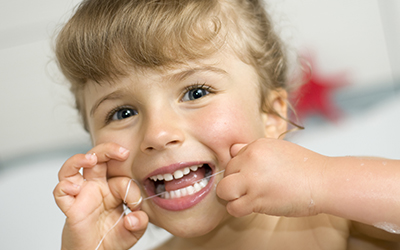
[{"x": 275, "y": 117}]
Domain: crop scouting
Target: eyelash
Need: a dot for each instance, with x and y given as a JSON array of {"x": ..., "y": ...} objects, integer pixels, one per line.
[
  {"x": 114, "y": 111},
  {"x": 189, "y": 88},
  {"x": 202, "y": 86},
  {"x": 197, "y": 86}
]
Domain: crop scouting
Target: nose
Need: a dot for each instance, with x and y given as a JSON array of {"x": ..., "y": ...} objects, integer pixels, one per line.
[{"x": 161, "y": 130}]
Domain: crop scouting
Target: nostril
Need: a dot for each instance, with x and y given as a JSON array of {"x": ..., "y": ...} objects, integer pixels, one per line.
[
  {"x": 168, "y": 144},
  {"x": 171, "y": 143},
  {"x": 161, "y": 140},
  {"x": 150, "y": 149}
]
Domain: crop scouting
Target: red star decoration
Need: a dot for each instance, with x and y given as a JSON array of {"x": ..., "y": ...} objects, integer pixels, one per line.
[{"x": 315, "y": 96}]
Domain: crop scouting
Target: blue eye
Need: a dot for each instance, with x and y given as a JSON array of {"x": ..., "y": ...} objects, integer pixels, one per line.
[
  {"x": 123, "y": 113},
  {"x": 195, "y": 92}
]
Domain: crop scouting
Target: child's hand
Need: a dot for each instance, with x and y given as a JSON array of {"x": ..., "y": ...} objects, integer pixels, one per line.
[
  {"x": 271, "y": 176},
  {"x": 93, "y": 205}
]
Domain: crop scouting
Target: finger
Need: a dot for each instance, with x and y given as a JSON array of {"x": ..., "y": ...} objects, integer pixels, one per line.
[
  {"x": 126, "y": 190},
  {"x": 136, "y": 222},
  {"x": 235, "y": 149},
  {"x": 231, "y": 187},
  {"x": 72, "y": 166},
  {"x": 64, "y": 194},
  {"x": 104, "y": 153},
  {"x": 240, "y": 207},
  {"x": 98, "y": 171},
  {"x": 108, "y": 151},
  {"x": 235, "y": 164}
]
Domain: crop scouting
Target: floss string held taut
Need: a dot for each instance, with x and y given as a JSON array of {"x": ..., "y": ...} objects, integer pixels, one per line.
[
  {"x": 160, "y": 194},
  {"x": 126, "y": 208}
]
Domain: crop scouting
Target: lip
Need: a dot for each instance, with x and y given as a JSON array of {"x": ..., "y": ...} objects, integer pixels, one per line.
[{"x": 182, "y": 203}]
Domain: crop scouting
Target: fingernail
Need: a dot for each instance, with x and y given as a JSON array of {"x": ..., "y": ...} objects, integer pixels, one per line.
[
  {"x": 90, "y": 157},
  {"x": 123, "y": 150},
  {"x": 133, "y": 221}
]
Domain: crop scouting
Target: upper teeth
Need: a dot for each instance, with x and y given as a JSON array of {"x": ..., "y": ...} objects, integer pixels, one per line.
[{"x": 176, "y": 175}]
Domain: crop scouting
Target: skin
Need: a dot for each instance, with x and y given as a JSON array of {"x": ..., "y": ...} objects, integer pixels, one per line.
[
  {"x": 170, "y": 130},
  {"x": 90, "y": 199},
  {"x": 267, "y": 196}
]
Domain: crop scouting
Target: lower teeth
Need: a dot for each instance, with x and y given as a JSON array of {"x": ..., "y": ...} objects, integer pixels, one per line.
[{"x": 189, "y": 190}]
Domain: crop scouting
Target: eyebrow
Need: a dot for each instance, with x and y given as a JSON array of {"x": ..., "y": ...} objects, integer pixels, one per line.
[
  {"x": 180, "y": 76},
  {"x": 112, "y": 96}
]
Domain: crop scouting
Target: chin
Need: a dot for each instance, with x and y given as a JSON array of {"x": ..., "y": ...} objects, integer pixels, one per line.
[
  {"x": 193, "y": 228},
  {"x": 196, "y": 221}
]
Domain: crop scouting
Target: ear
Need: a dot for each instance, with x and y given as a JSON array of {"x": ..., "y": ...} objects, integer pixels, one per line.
[{"x": 275, "y": 119}]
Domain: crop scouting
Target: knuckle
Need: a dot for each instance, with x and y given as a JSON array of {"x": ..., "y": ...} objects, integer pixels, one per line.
[
  {"x": 221, "y": 192},
  {"x": 232, "y": 209},
  {"x": 56, "y": 189}
]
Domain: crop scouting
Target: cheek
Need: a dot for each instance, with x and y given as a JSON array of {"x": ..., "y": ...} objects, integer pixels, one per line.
[
  {"x": 122, "y": 138},
  {"x": 228, "y": 124}
]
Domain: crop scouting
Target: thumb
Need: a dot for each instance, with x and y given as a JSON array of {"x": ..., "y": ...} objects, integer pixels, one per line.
[
  {"x": 126, "y": 190},
  {"x": 236, "y": 148},
  {"x": 136, "y": 222}
]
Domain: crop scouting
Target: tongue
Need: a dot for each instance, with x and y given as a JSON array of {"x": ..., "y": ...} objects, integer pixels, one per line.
[{"x": 186, "y": 180}]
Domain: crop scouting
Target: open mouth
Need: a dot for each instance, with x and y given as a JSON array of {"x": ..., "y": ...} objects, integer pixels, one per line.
[{"x": 183, "y": 182}]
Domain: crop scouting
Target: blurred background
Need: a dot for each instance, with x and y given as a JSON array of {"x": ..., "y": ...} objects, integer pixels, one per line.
[{"x": 351, "y": 105}]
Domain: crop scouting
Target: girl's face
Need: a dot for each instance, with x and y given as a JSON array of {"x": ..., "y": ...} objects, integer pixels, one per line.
[{"x": 180, "y": 124}]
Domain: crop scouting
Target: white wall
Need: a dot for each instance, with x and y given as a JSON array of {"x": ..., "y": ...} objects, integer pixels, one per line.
[
  {"x": 35, "y": 106},
  {"x": 345, "y": 35}
]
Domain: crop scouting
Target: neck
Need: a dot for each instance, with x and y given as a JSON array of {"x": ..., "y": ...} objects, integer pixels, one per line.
[{"x": 233, "y": 233}]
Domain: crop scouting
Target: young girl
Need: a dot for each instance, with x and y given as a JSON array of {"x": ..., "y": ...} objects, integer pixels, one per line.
[{"x": 173, "y": 93}]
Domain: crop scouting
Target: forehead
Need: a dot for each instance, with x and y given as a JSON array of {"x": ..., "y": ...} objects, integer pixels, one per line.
[
  {"x": 221, "y": 66},
  {"x": 224, "y": 63}
]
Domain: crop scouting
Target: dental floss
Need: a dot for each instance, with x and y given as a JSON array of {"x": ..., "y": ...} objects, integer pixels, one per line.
[
  {"x": 127, "y": 188},
  {"x": 160, "y": 194},
  {"x": 109, "y": 230},
  {"x": 137, "y": 203},
  {"x": 122, "y": 214}
]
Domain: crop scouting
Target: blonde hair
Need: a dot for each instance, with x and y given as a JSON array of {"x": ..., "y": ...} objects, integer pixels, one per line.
[{"x": 106, "y": 38}]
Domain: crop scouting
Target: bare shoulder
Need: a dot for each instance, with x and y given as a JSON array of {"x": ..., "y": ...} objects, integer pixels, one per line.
[
  {"x": 322, "y": 232},
  {"x": 316, "y": 232},
  {"x": 322, "y": 222}
]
